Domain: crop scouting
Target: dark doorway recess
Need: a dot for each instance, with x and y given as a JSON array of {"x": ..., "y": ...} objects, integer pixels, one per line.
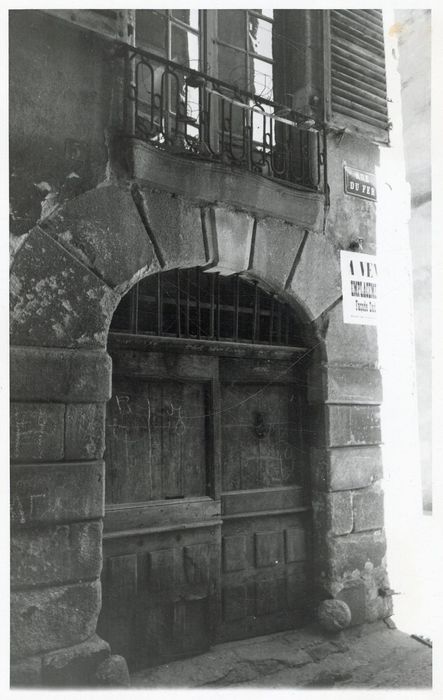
[{"x": 208, "y": 525}]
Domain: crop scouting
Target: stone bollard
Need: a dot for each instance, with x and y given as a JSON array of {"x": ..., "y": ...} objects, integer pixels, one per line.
[{"x": 333, "y": 615}]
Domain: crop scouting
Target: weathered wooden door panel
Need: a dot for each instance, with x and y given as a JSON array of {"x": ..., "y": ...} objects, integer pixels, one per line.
[
  {"x": 155, "y": 440},
  {"x": 162, "y": 525},
  {"x": 266, "y": 527},
  {"x": 265, "y": 573},
  {"x": 257, "y": 437},
  {"x": 161, "y": 516},
  {"x": 262, "y": 440},
  {"x": 207, "y": 527},
  {"x": 159, "y": 596}
]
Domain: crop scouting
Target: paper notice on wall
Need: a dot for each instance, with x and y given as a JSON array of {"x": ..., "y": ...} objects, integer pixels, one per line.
[{"x": 359, "y": 282}]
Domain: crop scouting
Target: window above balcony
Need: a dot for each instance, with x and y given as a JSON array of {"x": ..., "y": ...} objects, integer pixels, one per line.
[
  {"x": 217, "y": 85},
  {"x": 244, "y": 50},
  {"x": 328, "y": 65},
  {"x": 172, "y": 34},
  {"x": 239, "y": 47},
  {"x": 223, "y": 86}
]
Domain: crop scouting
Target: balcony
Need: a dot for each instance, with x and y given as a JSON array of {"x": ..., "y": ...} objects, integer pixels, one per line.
[{"x": 183, "y": 112}]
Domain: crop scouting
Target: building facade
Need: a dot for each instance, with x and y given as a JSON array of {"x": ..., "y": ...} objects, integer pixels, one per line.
[{"x": 195, "y": 432}]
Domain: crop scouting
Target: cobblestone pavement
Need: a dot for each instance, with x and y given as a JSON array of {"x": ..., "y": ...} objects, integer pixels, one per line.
[{"x": 368, "y": 656}]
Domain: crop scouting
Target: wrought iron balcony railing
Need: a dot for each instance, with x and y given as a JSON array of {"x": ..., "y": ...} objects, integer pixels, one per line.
[{"x": 187, "y": 112}]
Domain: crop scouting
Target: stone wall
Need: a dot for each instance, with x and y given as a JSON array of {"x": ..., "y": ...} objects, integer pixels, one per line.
[
  {"x": 57, "y": 441},
  {"x": 68, "y": 276},
  {"x": 347, "y": 496}
]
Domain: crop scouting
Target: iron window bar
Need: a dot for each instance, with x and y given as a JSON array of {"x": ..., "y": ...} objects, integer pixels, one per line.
[
  {"x": 187, "y": 112},
  {"x": 192, "y": 304}
]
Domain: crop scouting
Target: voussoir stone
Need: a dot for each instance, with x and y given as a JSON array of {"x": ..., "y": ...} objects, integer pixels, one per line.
[
  {"x": 104, "y": 230},
  {"x": 231, "y": 234},
  {"x": 176, "y": 227},
  {"x": 55, "y": 300},
  {"x": 316, "y": 281},
  {"x": 275, "y": 247}
]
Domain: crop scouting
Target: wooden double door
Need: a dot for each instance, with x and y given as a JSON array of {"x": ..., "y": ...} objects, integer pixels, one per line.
[{"x": 207, "y": 525}]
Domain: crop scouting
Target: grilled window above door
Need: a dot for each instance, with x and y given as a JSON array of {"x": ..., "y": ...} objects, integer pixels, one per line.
[
  {"x": 206, "y": 306},
  {"x": 358, "y": 99}
]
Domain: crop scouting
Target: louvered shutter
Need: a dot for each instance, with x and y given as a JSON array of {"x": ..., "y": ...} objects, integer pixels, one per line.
[{"x": 358, "y": 74}]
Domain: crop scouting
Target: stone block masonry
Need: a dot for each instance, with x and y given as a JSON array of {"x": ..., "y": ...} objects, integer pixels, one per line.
[
  {"x": 76, "y": 665},
  {"x": 347, "y": 511},
  {"x": 352, "y": 385},
  {"x": 53, "y": 618},
  {"x": 57, "y": 506},
  {"x": 37, "y": 432},
  {"x": 368, "y": 509},
  {"x": 67, "y": 278},
  {"x": 85, "y": 431},
  {"x": 59, "y": 492},
  {"x": 56, "y": 554},
  {"x": 353, "y": 425},
  {"x": 26, "y": 672},
  {"x": 346, "y": 470},
  {"x": 73, "y": 666},
  {"x": 59, "y": 375}
]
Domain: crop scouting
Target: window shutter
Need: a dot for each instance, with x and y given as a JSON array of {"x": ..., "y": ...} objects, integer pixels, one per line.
[{"x": 358, "y": 75}]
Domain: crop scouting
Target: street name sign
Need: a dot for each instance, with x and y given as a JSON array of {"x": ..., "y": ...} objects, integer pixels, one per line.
[{"x": 360, "y": 183}]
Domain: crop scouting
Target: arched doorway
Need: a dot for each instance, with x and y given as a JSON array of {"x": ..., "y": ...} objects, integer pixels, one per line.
[{"x": 207, "y": 526}]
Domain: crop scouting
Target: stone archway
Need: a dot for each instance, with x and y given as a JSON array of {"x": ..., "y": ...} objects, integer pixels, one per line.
[{"x": 67, "y": 277}]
